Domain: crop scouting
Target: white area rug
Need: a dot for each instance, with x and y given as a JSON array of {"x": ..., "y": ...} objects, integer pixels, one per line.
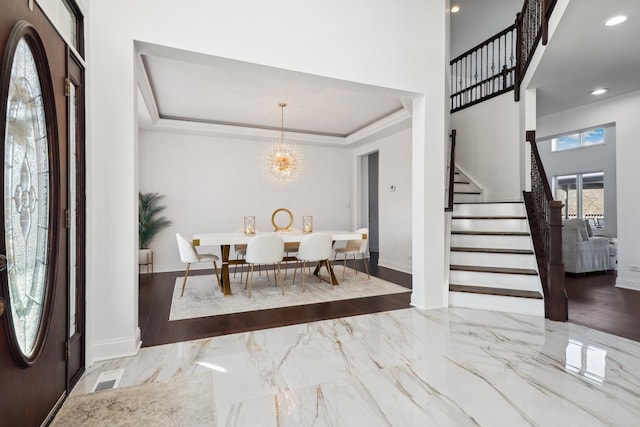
[{"x": 202, "y": 296}]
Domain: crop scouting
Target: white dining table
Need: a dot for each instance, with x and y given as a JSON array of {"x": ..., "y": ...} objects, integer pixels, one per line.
[{"x": 225, "y": 240}]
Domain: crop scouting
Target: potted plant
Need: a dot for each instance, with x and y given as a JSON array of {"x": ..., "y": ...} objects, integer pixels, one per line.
[{"x": 150, "y": 223}]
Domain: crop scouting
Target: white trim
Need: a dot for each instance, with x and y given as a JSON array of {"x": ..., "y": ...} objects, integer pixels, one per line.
[
  {"x": 628, "y": 284},
  {"x": 116, "y": 348},
  {"x": 530, "y": 306},
  {"x": 427, "y": 303},
  {"x": 474, "y": 181}
]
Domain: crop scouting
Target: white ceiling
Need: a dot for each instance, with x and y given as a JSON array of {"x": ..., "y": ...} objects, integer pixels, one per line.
[
  {"x": 227, "y": 94},
  {"x": 187, "y": 90}
]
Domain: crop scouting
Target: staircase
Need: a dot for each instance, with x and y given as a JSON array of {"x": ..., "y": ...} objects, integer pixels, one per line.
[{"x": 492, "y": 263}]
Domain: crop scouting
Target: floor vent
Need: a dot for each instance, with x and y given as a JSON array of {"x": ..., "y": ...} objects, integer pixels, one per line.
[{"x": 108, "y": 380}]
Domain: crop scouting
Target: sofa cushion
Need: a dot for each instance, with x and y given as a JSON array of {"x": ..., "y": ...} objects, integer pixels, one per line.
[{"x": 588, "y": 226}]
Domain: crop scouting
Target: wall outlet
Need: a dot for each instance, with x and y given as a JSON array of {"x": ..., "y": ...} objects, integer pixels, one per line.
[{"x": 634, "y": 268}]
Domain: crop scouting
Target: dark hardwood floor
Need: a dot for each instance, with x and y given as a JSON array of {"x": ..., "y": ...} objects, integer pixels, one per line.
[
  {"x": 594, "y": 301},
  {"x": 156, "y": 291}
]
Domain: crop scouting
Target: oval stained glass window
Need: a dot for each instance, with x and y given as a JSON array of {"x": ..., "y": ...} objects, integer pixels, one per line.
[{"x": 26, "y": 198}]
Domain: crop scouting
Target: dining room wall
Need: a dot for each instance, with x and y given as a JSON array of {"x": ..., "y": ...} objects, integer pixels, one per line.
[
  {"x": 394, "y": 198},
  {"x": 210, "y": 184}
]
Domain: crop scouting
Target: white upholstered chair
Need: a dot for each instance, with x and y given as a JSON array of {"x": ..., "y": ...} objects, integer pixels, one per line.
[
  {"x": 355, "y": 247},
  {"x": 265, "y": 249},
  {"x": 314, "y": 247},
  {"x": 582, "y": 252},
  {"x": 189, "y": 255}
]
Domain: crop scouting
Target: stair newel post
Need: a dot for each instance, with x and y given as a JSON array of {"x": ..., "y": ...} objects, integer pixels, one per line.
[{"x": 558, "y": 307}]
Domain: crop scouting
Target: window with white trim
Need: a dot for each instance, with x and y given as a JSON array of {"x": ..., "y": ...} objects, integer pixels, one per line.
[
  {"x": 582, "y": 195},
  {"x": 585, "y": 138}
]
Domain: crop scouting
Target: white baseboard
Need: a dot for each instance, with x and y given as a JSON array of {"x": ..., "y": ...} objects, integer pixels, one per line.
[
  {"x": 405, "y": 268},
  {"x": 427, "y": 303},
  {"x": 628, "y": 284},
  {"x": 114, "y": 349}
]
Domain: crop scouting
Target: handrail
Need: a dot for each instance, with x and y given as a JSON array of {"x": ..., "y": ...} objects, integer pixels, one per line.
[
  {"x": 545, "y": 221},
  {"x": 476, "y": 74},
  {"x": 484, "y": 71},
  {"x": 452, "y": 163}
]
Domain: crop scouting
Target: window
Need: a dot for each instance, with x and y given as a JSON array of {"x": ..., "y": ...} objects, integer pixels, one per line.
[
  {"x": 577, "y": 140},
  {"x": 583, "y": 196}
]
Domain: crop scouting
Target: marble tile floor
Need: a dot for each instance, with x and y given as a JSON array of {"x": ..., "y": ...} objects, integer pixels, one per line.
[{"x": 410, "y": 367}]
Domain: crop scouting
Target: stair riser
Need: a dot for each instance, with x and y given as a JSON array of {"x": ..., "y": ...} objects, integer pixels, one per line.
[
  {"x": 465, "y": 187},
  {"x": 496, "y": 280},
  {"x": 492, "y": 242},
  {"x": 493, "y": 260},
  {"x": 497, "y": 303},
  {"x": 489, "y": 225},
  {"x": 463, "y": 198},
  {"x": 489, "y": 209}
]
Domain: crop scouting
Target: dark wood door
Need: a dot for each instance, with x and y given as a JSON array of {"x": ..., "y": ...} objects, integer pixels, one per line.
[{"x": 33, "y": 143}]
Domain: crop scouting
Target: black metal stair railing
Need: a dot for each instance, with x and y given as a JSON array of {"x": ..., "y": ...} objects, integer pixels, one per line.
[{"x": 499, "y": 64}]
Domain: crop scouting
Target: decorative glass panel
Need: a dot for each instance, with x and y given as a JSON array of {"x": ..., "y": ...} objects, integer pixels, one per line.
[{"x": 26, "y": 200}]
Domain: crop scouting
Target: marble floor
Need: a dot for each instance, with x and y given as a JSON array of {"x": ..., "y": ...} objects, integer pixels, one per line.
[{"x": 410, "y": 367}]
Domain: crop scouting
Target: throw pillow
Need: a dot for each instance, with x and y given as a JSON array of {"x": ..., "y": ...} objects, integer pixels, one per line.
[
  {"x": 583, "y": 233},
  {"x": 589, "y": 231}
]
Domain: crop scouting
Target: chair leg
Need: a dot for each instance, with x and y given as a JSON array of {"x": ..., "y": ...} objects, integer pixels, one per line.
[
  {"x": 295, "y": 269},
  {"x": 344, "y": 266},
  {"x": 215, "y": 267},
  {"x": 355, "y": 267},
  {"x": 250, "y": 274},
  {"x": 304, "y": 265},
  {"x": 366, "y": 267},
  {"x": 329, "y": 271},
  {"x": 280, "y": 276},
  {"x": 184, "y": 282}
]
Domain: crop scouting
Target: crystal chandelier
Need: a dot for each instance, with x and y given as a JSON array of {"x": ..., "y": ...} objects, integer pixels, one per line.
[{"x": 283, "y": 161}]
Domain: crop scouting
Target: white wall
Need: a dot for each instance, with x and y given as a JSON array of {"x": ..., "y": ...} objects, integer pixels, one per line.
[
  {"x": 624, "y": 112},
  {"x": 399, "y": 45},
  {"x": 593, "y": 158},
  {"x": 394, "y": 207},
  {"x": 211, "y": 183},
  {"x": 488, "y": 146}
]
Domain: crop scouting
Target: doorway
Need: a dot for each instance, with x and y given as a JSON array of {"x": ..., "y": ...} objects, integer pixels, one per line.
[
  {"x": 41, "y": 348},
  {"x": 369, "y": 198}
]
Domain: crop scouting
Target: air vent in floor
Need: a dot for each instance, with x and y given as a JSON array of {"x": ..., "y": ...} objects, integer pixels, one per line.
[{"x": 108, "y": 380}]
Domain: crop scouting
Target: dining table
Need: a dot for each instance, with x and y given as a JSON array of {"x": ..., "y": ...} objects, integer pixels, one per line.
[{"x": 225, "y": 239}]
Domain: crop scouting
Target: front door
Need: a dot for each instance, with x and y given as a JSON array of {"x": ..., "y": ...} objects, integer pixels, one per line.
[{"x": 33, "y": 145}]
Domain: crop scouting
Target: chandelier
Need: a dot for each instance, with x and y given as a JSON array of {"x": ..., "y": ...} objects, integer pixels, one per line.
[{"x": 283, "y": 161}]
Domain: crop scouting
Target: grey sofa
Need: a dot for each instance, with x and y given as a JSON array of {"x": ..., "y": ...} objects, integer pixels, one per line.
[{"x": 582, "y": 252}]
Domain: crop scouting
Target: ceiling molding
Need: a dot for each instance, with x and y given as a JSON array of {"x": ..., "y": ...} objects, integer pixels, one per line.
[
  {"x": 229, "y": 131},
  {"x": 145, "y": 89},
  {"x": 374, "y": 130}
]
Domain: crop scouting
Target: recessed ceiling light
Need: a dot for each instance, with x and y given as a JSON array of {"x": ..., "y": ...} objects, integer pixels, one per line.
[
  {"x": 599, "y": 91},
  {"x": 615, "y": 20},
  {"x": 455, "y": 9}
]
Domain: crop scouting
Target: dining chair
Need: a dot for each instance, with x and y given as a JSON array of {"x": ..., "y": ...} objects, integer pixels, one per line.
[
  {"x": 265, "y": 249},
  {"x": 314, "y": 247},
  {"x": 189, "y": 255},
  {"x": 355, "y": 247},
  {"x": 240, "y": 250}
]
